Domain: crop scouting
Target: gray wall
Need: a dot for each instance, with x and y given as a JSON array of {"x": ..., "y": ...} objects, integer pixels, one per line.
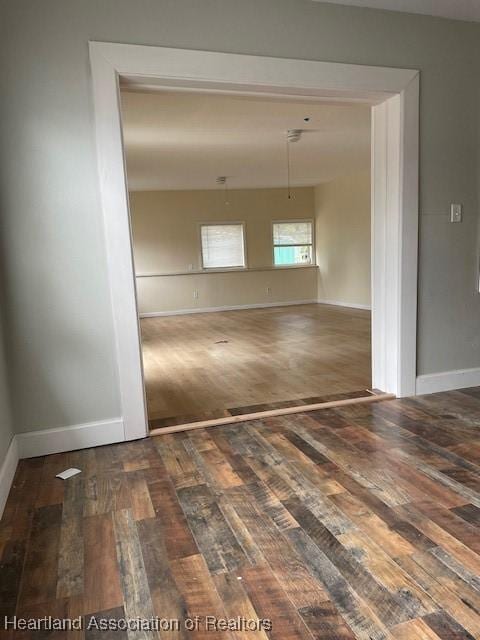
[{"x": 58, "y": 314}]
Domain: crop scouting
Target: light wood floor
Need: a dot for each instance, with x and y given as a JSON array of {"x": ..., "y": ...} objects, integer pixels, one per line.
[
  {"x": 200, "y": 365},
  {"x": 355, "y": 523}
]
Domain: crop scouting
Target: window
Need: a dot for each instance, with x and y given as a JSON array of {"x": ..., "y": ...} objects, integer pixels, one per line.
[
  {"x": 293, "y": 242},
  {"x": 223, "y": 245}
]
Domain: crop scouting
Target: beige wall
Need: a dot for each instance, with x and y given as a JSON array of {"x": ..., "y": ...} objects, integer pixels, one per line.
[
  {"x": 342, "y": 209},
  {"x": 166, "y": 239}
]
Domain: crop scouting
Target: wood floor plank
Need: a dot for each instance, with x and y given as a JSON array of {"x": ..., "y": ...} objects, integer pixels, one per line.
[
  {"x": 102, "y": 577},
  {"x": 106, "y": 492},
  {"x": 442, "y": 567},
  {"x": 312, "y": 493},
  {"x": 461, "y": 570},
  {"x": 446, "y": 628},
  {"x": 137, "y": 601},
  {"x": 309, "y": 451},
  {"x": 311, "y": 470},
  {"x": 212, "y": 467},
  {"x": 11, "y": 567},
  {"x": 468, "y": 512},
  {"x": 177, "y": 535},
  {"x": 39, "y": 579},
  {"x": 237, "y": 462},
  {"x": 469, "y": 494},
  {"x": 448, "y": 521},
  {"x": 71, "y": 554},
  {"x": 240, "y": 530},
  {"x": 391, "y": 608},
  {"x": 221, "y": 470},
  {"x": 197, "y": 588},
  {"x": 214, "y": 537},
  {"x": 387, "y": 572},
  {"x": 167, "y": 600},
  {"x": 283, "y": 560},
  {"x": 359, "y": 617},
  {"x": 237, "y": 603},
  {"x": 140, "y": 498},
  {"x": 140, "y": 454},
  {"x": 325, "y": 623},
  {"x": 392, "y": 542},
  {"x": 181, "y": 468},
  {"x": 463, "y": 554},
  {"x": 356, "y": 463},
  {"x": 20, "y": 507},
  {"x": 448, "y": 602},
  {"x": 373, "y": 504},
  {"x": 271, "y": 603},
  {"x": 270, "y": 504},
  {"x": 414, "y": 629}
]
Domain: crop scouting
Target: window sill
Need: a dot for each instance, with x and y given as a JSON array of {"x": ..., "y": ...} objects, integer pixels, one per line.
[{"x": 231, "y": 270}]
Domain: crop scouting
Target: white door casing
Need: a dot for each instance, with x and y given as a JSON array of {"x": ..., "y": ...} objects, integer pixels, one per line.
[{"x": 394, "y": 96}]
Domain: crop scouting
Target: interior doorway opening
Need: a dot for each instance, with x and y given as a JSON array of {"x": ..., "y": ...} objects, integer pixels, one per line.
[
  {"x": 394, "y": 97},
  {"x": 251, "y": 235}
]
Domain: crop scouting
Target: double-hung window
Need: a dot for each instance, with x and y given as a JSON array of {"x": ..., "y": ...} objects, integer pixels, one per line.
[
  {"x": 293, "y": 242},
  {"x": 223, "y": 245}
]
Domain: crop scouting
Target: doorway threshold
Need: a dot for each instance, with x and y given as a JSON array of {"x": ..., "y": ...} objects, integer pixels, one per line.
[{"x": 258, "y": 412}]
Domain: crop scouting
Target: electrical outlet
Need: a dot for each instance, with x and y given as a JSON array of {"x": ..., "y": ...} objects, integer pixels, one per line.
[
  {"x": 195, "y": 294},
  {"x": 269, "y": 291},
  {"x": 456, "y": 213}
]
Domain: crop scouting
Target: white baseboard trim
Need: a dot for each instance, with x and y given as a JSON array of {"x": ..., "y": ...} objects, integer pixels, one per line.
[
  {"x": 82, "y": 436},
  {"x": 260, "y": 305},
  {"x": 448, "y": 381},
  {"x": 7, "y": 473},
  {"x": 351, "y": 305}
]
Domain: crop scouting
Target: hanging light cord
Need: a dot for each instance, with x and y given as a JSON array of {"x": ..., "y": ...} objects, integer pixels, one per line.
[
  {"x": 226, "y": 193},
  {"x": 288, "y": 170}
]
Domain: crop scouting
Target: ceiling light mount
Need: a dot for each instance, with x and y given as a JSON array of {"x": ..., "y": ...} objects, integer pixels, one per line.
[{"x": 294, "y": 135}]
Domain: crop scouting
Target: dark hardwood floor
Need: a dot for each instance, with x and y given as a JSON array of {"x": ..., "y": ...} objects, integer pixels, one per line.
[{"x": 360, "y": 522}]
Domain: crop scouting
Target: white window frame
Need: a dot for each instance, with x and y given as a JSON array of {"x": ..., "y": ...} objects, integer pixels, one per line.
[
  {"x": 393, "y": 94},
  {"x": 223, "y": 222},
  {"x": 313, "y": 263}
]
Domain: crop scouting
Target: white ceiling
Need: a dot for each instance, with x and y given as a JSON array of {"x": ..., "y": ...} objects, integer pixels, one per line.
[
  {"x": 183, "y": 141},
  {"x": 455, "y": 9}
]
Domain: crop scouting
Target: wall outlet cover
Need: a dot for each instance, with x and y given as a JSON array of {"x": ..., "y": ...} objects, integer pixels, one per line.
[{"x": 456, "y": 213}]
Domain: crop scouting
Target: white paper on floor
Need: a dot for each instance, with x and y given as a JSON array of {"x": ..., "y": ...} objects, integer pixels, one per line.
[{"x": 68, "y": 473}]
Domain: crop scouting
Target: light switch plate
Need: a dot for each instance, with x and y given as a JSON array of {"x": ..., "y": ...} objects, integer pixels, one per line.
[{"x": 456, "y": 213}]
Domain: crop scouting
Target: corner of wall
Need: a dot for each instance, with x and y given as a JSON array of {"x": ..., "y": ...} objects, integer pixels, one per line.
[{"x": 8, "y": 468}]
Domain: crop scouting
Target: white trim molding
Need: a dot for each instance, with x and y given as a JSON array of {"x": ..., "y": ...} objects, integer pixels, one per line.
[
  {"x": 448, "y": 381},
  {"x": 349, "y": 305},
  {"x": 7, "y": 472},
  {"x": 237, "y": 307},
  {"x": 80, "y": 436},
  {"x": 395, "y": 188},
  {"x": 394, "y": 94}
]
